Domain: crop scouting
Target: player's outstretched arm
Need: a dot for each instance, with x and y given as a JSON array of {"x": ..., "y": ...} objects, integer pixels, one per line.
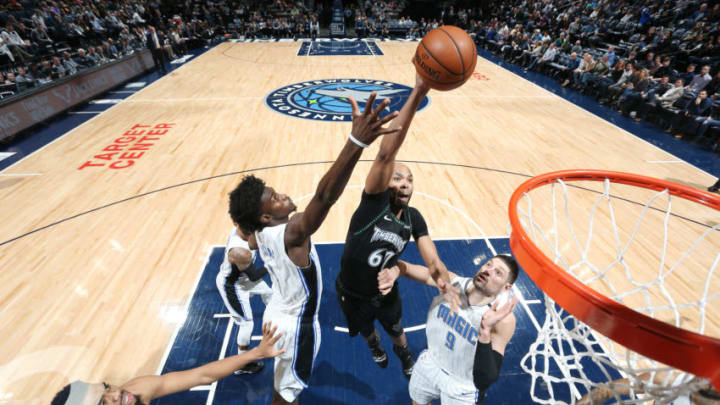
[
  {"x": 365, "y": 129},
  {"x": 438, "y": 271},
  {"x": 160, "y": 385},
  {"x": 421, "y": 274},
  {"x": 382, "y": 168}
]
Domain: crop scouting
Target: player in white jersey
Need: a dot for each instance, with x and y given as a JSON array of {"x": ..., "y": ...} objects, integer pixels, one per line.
[
  {"x": 285, "y": 247},
  {"x": 465, "y": 348},
  {"x": 237, "y": 280}
]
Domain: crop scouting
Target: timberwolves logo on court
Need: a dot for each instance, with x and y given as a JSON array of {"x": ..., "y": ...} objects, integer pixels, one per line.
[{"x": 327, "y": 99}]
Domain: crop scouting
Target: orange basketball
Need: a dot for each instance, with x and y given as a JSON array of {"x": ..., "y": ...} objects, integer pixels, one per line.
[{"x": 446, "y": 57}]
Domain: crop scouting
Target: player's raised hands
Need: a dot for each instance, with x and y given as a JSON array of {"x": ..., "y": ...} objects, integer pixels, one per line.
[
  {"x": 495, "y": 314},
  {"x": 266, "y": 348},
  {"x": 366, "y": 125},
  {"x": 451, "y": 294}
]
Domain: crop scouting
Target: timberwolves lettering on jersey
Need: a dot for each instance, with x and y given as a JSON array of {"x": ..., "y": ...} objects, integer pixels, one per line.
[{"x": 375, "y": 241}]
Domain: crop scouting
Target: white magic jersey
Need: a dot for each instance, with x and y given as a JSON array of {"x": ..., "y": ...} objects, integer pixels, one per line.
[
  {"x": 296, "y": 291},
  {"x": 233, "y": 241},
  {"x": 452, "y": 336}
]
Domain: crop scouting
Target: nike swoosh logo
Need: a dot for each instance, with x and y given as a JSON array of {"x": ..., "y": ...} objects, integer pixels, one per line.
[{"x": 387, "y": 218}]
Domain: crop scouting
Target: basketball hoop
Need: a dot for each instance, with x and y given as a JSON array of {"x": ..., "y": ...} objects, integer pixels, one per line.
[{"x": 659, "y": 360}]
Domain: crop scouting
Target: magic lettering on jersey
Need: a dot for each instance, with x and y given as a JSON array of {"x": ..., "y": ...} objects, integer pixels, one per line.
[
  {"x": 457, "y": 323},
  {"x": 329, "y": 99},
  {"x": 390, "y": 237}
]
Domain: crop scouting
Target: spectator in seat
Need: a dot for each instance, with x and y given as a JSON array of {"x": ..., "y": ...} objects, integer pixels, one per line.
[
  {"x": 4, "y": 81},
  {"x": 664, "y": 69},
  {"x": 596, "y": 74},
  {"x": 694, "y": 113},
  {"x": 700, "y": 80},
  {"x": 577, "y": 48},
  {"x": 713, "y": 88},
  {"x": 110, "y": 50},
  {"x": 636, "y": 99},
  {"x": 567, "y": 70},
  {"x": 92, "y": 54},
  {"x": 547, "y": 57},
  {"x": 612, "y": 76},
  {"x": 635, "y": 91},
  {"x": 586, "y": 65},
  {"x": 58, "y": 70},
  {"x": 615, "y": 89},
  {"x": 71, "y": 67},
  {"x": 689, "y": 74},
  {"x": 648, "y": 63},
  {"x": 45, "y": 72},
  {"x": 528, "y": 57},
  {"x": 178, "y": 43},
  {"x": 10, "y": 38},
  {"x": 5, "y": 50},
  {"x": 83, "y": 60},
  {"x": 40, "y": 36},
  {"x": 611, "y": 55},
  {"x": 665, "y": 100},
  {"x": 702, "y": 136},
  {"x": 24, "y": 80}
]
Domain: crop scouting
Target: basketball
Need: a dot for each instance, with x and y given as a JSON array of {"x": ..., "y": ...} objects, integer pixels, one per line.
[{"x": 446, "y": 57}]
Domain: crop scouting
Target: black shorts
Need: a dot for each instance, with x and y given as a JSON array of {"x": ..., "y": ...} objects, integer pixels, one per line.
[{"x": 361, "y": 312}]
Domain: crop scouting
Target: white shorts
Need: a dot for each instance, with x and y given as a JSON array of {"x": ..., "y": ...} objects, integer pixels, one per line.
[
  {"x": 429, "y": 382},
  {"x": 301, "y": 340},
  {"x": 236, "y": 296}
]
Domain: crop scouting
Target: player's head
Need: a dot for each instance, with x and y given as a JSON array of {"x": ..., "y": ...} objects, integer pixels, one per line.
[
  {"x": 82, "y": 393},
  {"x": 254, "y": 205},
  {"x": 496, "y": 275},
  {"x": 401, "y": 186}
]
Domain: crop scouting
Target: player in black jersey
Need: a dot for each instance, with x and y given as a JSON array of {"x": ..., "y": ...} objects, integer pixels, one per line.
[{"x": 379, "y": 231}]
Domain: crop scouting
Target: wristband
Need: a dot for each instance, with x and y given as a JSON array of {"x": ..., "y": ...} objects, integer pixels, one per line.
[{"x": 358, "y": 143}]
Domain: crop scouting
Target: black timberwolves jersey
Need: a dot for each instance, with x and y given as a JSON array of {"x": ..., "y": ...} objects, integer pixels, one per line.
[{"x": 375, "y": 241}]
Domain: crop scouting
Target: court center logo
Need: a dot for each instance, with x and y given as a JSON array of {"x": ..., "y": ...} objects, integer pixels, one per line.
[{"x": 328, "y": 99}]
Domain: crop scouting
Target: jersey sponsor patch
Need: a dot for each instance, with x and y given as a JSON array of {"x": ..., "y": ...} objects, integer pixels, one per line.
[{"x": 329, "y": 99}]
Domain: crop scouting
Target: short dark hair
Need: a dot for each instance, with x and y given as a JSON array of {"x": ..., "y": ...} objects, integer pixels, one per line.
[
  {"x": 512, "y": 265},
  {"x": 245, "y": 205},
  {"x": 62, "y": 396}
]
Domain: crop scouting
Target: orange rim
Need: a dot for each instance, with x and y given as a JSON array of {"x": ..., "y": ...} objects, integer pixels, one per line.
[{"x": 676, "y": 347}]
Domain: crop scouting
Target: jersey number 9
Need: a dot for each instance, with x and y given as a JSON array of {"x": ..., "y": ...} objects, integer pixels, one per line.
[{"x": 450, "y": 341}]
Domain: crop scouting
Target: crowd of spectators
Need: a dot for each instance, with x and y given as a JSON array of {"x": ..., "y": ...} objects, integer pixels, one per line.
[
  {"x": 650, "y": 60},
  {"x": 42, "y": 41}
]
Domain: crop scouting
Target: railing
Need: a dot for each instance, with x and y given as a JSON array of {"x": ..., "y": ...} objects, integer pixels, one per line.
[{"x": 37, "y": 105}]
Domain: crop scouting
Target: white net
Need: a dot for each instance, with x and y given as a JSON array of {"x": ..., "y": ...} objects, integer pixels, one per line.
[{"x": 658, "y": 262}]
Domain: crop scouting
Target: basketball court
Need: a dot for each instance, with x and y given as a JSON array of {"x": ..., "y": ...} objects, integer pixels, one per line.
[{"x": 112, "y": 234}]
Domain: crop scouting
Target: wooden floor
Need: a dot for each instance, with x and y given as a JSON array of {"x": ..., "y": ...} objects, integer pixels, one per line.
[{"x": 88, "y": 298}]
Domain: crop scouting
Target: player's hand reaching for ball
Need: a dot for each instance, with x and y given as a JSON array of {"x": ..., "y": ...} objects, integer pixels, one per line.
[
  {"x": 266, "y": 348},
  {"x": 421, "y": 84},
  {"x": 366, "y": 125},
  {"x": 386, "y": 279}
]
